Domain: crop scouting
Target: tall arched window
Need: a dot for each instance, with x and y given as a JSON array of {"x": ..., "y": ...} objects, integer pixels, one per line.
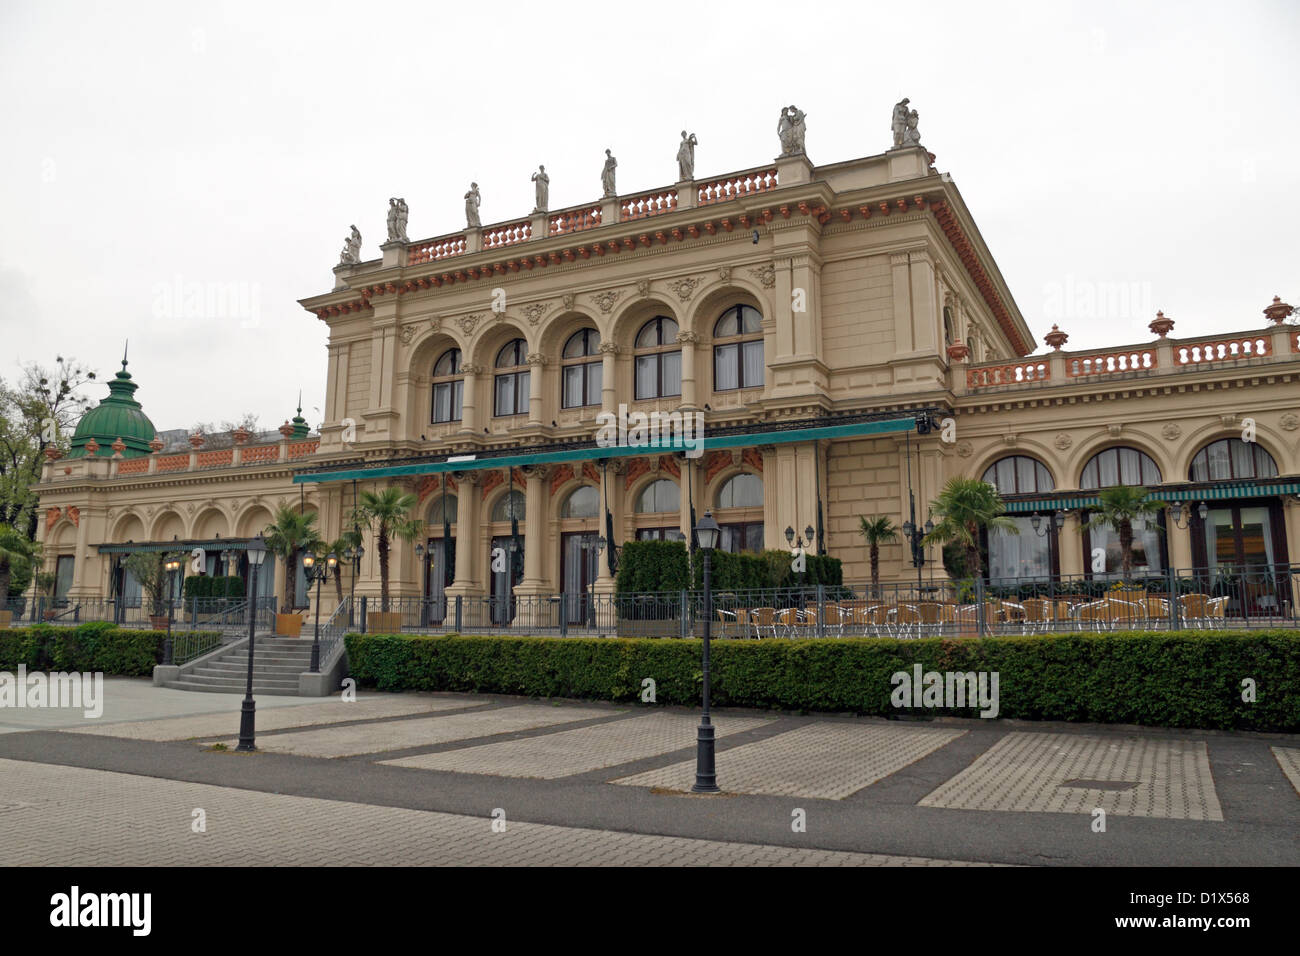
[
  {"x": 738, "y": 349},
  {"x": 444, "y": 509},
  {"x": 1230, "y": 458},
  {"x": 448, "y": 387},
  {"x": 581, "y": 375},
  {"x": 511, "y": 384},
  {"x": 660, "y": 497},
  {"x": 1017, "y": 557},
  {"x": 658, "y": 359},
  {"x": 501, "y": 511},
  {"x": 584, "y": 502},
  {"x": 739, "y": 513},
  {"x": 1119, "y": 466}
]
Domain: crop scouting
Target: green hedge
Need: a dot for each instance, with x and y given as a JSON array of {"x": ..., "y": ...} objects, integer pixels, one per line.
[
  {"x": 95, "y": 646},
  {"x": 200, "y": 585},
  {"x": 1168, "y": 679},
  {"x": 664, "y": 566}
]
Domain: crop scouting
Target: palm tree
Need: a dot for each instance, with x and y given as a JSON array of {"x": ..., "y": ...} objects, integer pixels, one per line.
[
  {"x": 13, "y": 547},
  {"x": 387, "y": 514},
  {"x": 339, "y": 546},
  {"x": 291, "y": 533},
  {"x": 963, "y": 508},
  {"x": 1121, "y": 506},
  {"x": 876, "y": 531}
]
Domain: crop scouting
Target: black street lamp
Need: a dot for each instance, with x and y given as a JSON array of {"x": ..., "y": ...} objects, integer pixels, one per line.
[
  {"x": 172, "y": 565},
  {"x": 790, "y": 540},
  {"x": 916, "y": 535},
  {"x": 354, "y": 555},
  {"x": 256, "y": 555},
  {"x": 316, "y": 571},
  {"x": 1036, "y": 520},
  {"x": 1176, "y": 512},
  {"x": 589, "y": 545},
  {"x": 706, "y": 778}
]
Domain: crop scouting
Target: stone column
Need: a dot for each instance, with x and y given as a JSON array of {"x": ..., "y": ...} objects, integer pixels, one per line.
[
  {"x": 537, "y": 363},
  {"x": 1070, "y": 543},
  {"x": 608, "y": 371},
  {"x": 469, "y": 562},
  {"x": 469, "y": 408},
  {"x": 688, "y": 339},
  {"x": 536, "y": 545}
]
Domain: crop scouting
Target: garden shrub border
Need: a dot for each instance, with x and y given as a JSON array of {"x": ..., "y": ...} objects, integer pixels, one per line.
[
  {"x": 96, "y": 646},
  {"x": 1189, "y": 679}
]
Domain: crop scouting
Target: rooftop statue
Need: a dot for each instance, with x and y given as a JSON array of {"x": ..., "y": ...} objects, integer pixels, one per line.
[
  {"x": 351, "y": 253},
  {"x": 791, "y": 131},
  {"x": 543, "y": 188},
  {"x": 899, "y": 122},
  {"x": 607, "y": 175},
  {"x": 397, "y": 216},
  {"x": 912, "y": 135},
  {"x": 472, "y": 202},
  {"x": 686, "y": 157}
]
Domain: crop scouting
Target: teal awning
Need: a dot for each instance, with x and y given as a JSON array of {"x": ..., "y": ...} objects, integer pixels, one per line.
[
  {"x": 212, "y": 544},
  {"x": 1219, "y": 491},
  {"x": 597, "y": 453}
]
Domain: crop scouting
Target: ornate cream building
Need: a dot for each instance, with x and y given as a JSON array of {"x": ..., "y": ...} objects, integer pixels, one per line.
[{"x": 810, "y": 313}]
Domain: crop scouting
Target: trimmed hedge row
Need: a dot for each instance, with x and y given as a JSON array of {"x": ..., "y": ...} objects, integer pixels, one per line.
[
  {"x": 1167, "y": 679},
  {"x": 203, "y": 586},
  {"x": 664, "y": 566},
  {"x": 94, "y": 646}
]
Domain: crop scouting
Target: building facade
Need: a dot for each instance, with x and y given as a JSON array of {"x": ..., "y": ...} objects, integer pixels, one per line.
[{"x": 808, "y": 314}]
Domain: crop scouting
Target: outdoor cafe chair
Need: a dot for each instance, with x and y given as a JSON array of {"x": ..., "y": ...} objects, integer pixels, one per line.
[
  {"x": 763, "y": 619},
  {"x": 1195, "y": 609},
  {"x": 906, "y": 619},
  {"x": 730, "y": 623},
  {"x": 834, "y": 621},
  {"x": 1009, "y": 612},
  {"x": 1037, "y": 613},
  {"x": 788, "y": 620},
  {"x": 927, "y": 615},
  {"x": 1215, "y": 609}
]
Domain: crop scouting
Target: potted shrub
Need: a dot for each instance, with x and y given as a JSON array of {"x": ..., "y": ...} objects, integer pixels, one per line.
[
  {"x": 291, "y": 533},
  {"x": 148, "y": 568},
  {"x": 45, "y": 587},
  {"x": 387, "y": 514}
]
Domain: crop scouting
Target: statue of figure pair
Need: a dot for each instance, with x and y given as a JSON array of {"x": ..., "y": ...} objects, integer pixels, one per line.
[
  {"x": 904, "y": 125},
  {"x": 351, "y": 253},
  {"x": 397, "y": 215},
  {"x": 790, "y": 129}
]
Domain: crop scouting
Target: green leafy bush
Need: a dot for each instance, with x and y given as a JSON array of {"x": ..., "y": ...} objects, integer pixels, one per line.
[
  {"x": 1167, "y": 679},
  {"x": 93, "y": 646},
  {"x": 664, "y": 566}
]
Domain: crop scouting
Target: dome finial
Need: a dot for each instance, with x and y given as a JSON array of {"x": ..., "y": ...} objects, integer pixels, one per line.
[{"x": 125, "y": 346}]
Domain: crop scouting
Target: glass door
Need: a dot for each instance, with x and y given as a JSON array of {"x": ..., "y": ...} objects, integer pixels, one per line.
[
  {"x": 505, "y": 570},
  {"x": 438, "y": 576},
  {"x": 578, "y": 570},
  {"x": 1239, "y": 549}
]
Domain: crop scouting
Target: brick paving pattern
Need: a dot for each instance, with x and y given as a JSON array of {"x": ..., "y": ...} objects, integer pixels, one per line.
[
  {"x": 419, "y": 732},
  {"x": 826, "y": 760},
  {"x": 68, "y": 816},
  {"x": 1289, "y": 761},
  {"x": 579, "y": 751},
  {"x": 1026, "y": 772}
]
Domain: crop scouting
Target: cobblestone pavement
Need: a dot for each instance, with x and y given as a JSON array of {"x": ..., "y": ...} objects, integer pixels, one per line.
[
  {"x": 1289, "y": 761},
  {"x": 1071, "y": 773},
  {"x": 422, "y": 732},
  {"x": 68, "y": 816},
  {"x": 827, "y": 760},
  {"x": 579, "y": 751}
]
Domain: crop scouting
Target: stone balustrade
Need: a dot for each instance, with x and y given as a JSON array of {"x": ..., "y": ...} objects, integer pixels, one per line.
[
  {"x": 496, "y": 237},
  {"x": 1018, "y": 373},
  {"x": 650, "y": 204},
  {"x": 1199, "y": 353},
  {"x": 574, "y": 220},
  {"x": 434, "y": 249},
  {"x": 737, "y": 186},
  {"x": 1105, "y": 363}
]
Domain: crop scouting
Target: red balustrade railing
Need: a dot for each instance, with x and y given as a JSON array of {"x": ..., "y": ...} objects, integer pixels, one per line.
[
  {"x": 990, "y": 376},
  {"x": 1251, "y": 346},
  {"x": 737, "y": 187},
  {"x": 133, "y": 466},
  {"x": 173, "y": 462},
  {"x": 223, "y": 456},
  {"x": 299, "y": 449},
  {"x": 575, "y": 220},
  {"x": 1129, "y": 360},
  {"x": 259, "y": 453},
  {"x": 496, "y": 237},
  {"x": 651, "y": 204},
  {"x": 435, "y": 249}
]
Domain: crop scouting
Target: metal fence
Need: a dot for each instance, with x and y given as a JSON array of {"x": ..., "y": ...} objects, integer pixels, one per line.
[
  {"x": 194, "y": 614},
  {"x": 1195, "y": 599}
]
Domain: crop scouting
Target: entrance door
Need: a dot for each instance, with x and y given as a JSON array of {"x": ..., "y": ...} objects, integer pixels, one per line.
[
  {"x": 578, "y": 570},
  {"x": 1240, "y": 548},
  {"x": 439, "y": 572},
  {"x": 511, "y": 572}
]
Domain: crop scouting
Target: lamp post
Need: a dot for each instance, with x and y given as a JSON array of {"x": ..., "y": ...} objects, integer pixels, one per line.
[
  {"x": 172, "y": 565},
  {"x": 1036, "y": 520},
  {"x": 706, "y": 779},
  {"x": 790, "y": 540},
  {"x": 916, "y": 536},
  {"x": 316, "y": 571},
  {"x": 588, "y": 545},
  {"x": 354, "y": 555},
  {"x": 1176, "y": 512},
  {"x": 256, "y": 555}
]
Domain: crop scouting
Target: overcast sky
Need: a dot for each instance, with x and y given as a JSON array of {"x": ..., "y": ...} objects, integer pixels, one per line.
[{"x": 1118, "y": 158}]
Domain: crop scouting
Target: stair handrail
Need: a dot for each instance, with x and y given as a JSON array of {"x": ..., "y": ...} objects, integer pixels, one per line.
[{"x": 331, "y": 634}]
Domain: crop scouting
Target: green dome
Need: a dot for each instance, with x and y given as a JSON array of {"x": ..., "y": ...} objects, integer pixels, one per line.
[{"x": 118, "y": 416}]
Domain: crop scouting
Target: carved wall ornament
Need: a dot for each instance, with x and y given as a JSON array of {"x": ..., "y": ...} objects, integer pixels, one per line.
[
  {"x": 435, "y": 323},
  {"x": 536, "y": 358},
  {"x": 1171, "y": 431},
  {"x": 1290, "y": 421},
  {"x": 1011, "y": 438},
  {"x": 643, "y": 287},
  {"x": 1063, "y": 441},
  {"x": 605, "y": 300},
  {"x": 471, "y": 369},
  {"x": 1229, "y": 419},
  {"x": 724, "y": 273},
  {"x": 611, "y": 347},
  {"x": 569, "y": 300},
  {"x": 534, "y": 311},
  {"x": 408, "y": 333},
  {"x": 684, "y": 288},
  {"x": 688, "y": 336},
  {"x": 468, "y": 322},
  {"x": 74, "y": 515},
  {"x": 766, "y": 275},
  {"x": 1115, "y": 428}
]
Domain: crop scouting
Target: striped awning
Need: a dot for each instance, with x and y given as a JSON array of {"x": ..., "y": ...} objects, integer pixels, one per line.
[
  {"x": 211, "y": 544},
  {"x": 1210, "y": 491}
]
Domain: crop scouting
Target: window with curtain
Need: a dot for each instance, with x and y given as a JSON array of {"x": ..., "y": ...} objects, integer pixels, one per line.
[
  {"x": 443, "y": 510},
  {"x": 511, "y": 382},
  {"x": 581, "y": 377},
  {"x": 658, "y": 496},
  {"x": 738, "y": 349},
  {"x": 584, "y": 502},
  {"x": 658, "y": 358},
  {"x": 1119, "y": 466},
  {"x": 1148, "y": 544},
  {"x": 1019, "y": 475},
  {"x": 1230, "y": 458},
  {"x": 741, "y": 491},
  {"x": 741, "y": 536},
  {"x": 501, "y": 510},
  {"x": 448, "y": 388}
]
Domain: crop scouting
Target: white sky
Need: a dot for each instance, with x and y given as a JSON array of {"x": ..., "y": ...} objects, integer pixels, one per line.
[{"x": 1149, "y": 153}]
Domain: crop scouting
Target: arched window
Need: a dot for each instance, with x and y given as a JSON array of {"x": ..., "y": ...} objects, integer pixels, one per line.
[
  {"x": 444, "y": 509},
  {"x": 947, "y": 325},
  {"x": 1230, "y": 458},
  {"x": 738, "y": 349},
  {"x": 741, "y": 491},
  {"x": 502, "y": 509},
  {"x": 581, "y": 375},
  {"x": 740, "y": 530},
  {"x": 1119, "y": 466},
  {"x": 584, "y": 502},
  {"x": 658, "y": 496},
  {"x": 658, "y": 359},
  {"x": 511, "y": 385},
  {"x": 448, "y": 387},
  {"x": 1019, "y": 475}
]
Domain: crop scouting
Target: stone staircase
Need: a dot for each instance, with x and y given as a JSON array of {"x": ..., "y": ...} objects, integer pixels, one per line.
[{"x": 277, "y": 662}]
